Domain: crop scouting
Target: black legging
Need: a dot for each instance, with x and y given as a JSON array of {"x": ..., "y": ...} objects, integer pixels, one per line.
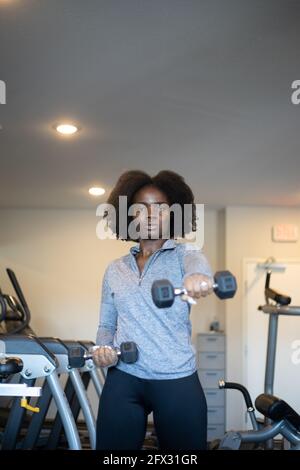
[{"x": 178, "y": 405}]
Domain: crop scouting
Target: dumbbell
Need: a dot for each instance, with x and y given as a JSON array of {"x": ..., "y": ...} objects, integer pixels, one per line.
[
  {"x": 77, "y": 356},
  {"x": 163, "y": 292}
]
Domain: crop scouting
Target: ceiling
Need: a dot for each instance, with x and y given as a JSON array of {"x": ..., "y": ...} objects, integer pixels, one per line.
[{"x": 202, "y": 87}]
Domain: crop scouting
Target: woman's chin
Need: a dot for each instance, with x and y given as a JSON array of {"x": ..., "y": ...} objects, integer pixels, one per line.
[{"x": 151, "y": 235}]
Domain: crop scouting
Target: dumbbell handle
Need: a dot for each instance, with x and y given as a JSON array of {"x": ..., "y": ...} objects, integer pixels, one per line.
[
  {"x": 94, "y": 348},
  {"x": 183, "y": 291}
]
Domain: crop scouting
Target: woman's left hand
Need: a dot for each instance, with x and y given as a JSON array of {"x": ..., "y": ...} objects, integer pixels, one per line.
[{"x": 198, "y": 285}]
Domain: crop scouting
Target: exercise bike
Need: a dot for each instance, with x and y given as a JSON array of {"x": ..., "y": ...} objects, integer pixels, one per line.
[{"x": 279, "y": 416}]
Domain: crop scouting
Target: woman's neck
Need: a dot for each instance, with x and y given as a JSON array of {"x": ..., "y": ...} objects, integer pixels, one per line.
[{"x": 148, "y": 247}]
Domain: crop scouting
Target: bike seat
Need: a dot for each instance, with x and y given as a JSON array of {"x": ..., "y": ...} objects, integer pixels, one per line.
[{"x": 276, "y": 409}]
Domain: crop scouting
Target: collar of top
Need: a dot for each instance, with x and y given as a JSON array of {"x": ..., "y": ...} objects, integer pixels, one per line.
[{"x": 168, "y": 245}]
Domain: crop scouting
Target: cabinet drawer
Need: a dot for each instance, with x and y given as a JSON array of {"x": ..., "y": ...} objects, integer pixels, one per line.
[
  {"x": 211, "y": 342},
  {"x": 211, "y": 360},
  {"x": 215, "y": 431},
  {"x": 210, "y": 378},
  {"x": 215, "y": 397},
  {"x": 215, "y": 415}
]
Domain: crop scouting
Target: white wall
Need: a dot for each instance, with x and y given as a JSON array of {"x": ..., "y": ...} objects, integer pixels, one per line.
[
  {"x": 248, "y": 234},
  {"x": 60, "y": 263}
]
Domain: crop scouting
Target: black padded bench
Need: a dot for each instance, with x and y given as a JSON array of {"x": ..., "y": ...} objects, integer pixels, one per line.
[{"x": 276, "y": 409}]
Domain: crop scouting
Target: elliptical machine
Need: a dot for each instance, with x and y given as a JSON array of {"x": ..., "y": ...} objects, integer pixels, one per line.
[{"x": 14, "y": 312}]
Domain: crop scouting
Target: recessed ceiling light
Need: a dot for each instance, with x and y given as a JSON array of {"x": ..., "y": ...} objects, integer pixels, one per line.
[
  {"x": 66, "y": 129},
  {"x": 96, "y": 191}
]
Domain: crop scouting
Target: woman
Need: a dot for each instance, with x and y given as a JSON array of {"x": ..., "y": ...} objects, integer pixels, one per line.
[{"x": 164, "y": 379}]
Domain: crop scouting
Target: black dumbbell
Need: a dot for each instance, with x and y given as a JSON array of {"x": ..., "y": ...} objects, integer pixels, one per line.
[
  {"x": 77, "y": 356},
  {"x": 163, "y": 292}
]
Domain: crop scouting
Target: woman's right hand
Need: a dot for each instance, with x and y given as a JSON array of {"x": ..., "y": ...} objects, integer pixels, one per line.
[{"x": 105, "y": 356}]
